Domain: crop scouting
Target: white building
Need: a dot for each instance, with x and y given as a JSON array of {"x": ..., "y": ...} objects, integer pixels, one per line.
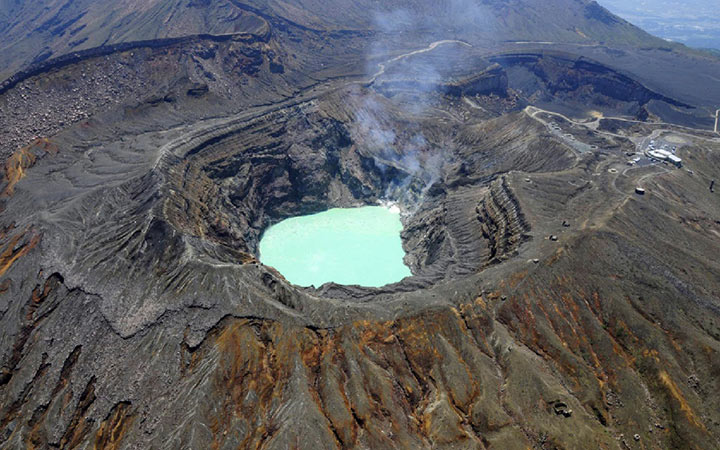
[
  {"x": 664, "y": 155},
  {"x": 675, "y": 160}
]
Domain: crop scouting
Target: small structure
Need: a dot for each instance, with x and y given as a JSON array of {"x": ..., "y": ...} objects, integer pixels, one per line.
[
  {"x": 664, "y": 155},
  {"x": 562, "y": 409},
  {"x": 672, "y": 159},
  {"x": 639, "y": 191}
]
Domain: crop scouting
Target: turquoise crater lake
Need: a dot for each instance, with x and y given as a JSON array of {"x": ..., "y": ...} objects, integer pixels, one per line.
[{"x": 356, "y": 246}]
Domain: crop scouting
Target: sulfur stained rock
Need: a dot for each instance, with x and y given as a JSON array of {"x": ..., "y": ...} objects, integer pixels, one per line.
[{"x": 444, "y": 426}]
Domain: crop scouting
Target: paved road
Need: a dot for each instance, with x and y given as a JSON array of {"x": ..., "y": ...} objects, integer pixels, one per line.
[
  {"x": 431, "y": 47},
  {"x": 641, "y": 142},
  {"x": 570, "y": 141},
  {"x": 532, "y": 111}
]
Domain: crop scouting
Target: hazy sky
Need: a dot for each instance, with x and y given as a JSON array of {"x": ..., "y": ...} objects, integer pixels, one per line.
[{"x": 693, "y": 22}]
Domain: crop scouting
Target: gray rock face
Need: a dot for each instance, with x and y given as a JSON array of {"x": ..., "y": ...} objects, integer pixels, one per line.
[{"x": 134, "y": 312}]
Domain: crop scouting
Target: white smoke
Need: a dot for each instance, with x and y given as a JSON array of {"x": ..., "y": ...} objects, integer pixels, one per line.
[{"x": 421, "y": 162}]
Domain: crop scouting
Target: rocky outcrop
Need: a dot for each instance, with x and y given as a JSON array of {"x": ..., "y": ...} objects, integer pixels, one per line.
[
  {"x": 503, "y": 223},
  {"x": 96, "y": 52},
  {"x": 564, "y": 79},
  {"x": 492, "y": 80}
]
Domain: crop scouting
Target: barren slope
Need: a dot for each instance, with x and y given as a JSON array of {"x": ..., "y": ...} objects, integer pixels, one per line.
[{"x": 134, "y": 313}]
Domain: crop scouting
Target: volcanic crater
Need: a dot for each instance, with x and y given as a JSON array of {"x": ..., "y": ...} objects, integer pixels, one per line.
[
  {"x": 459, "y": 213},
  {"x": 135, "y": 312}
]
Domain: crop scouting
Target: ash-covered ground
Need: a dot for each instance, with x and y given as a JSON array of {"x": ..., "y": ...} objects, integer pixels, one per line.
[{"x": 551, "y": 305}]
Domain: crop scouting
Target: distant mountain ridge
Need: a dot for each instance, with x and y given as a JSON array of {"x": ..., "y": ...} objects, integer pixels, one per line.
[
  {"x": 33, "y": 33},
  {"x": 695, "y": 23}
]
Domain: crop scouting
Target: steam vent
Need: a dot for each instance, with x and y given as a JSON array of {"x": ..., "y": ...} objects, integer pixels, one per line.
[{"x": 459, "y": 177}]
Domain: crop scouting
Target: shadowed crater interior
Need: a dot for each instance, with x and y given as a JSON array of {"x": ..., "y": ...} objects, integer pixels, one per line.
[{"x": 309, "y": 158}]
